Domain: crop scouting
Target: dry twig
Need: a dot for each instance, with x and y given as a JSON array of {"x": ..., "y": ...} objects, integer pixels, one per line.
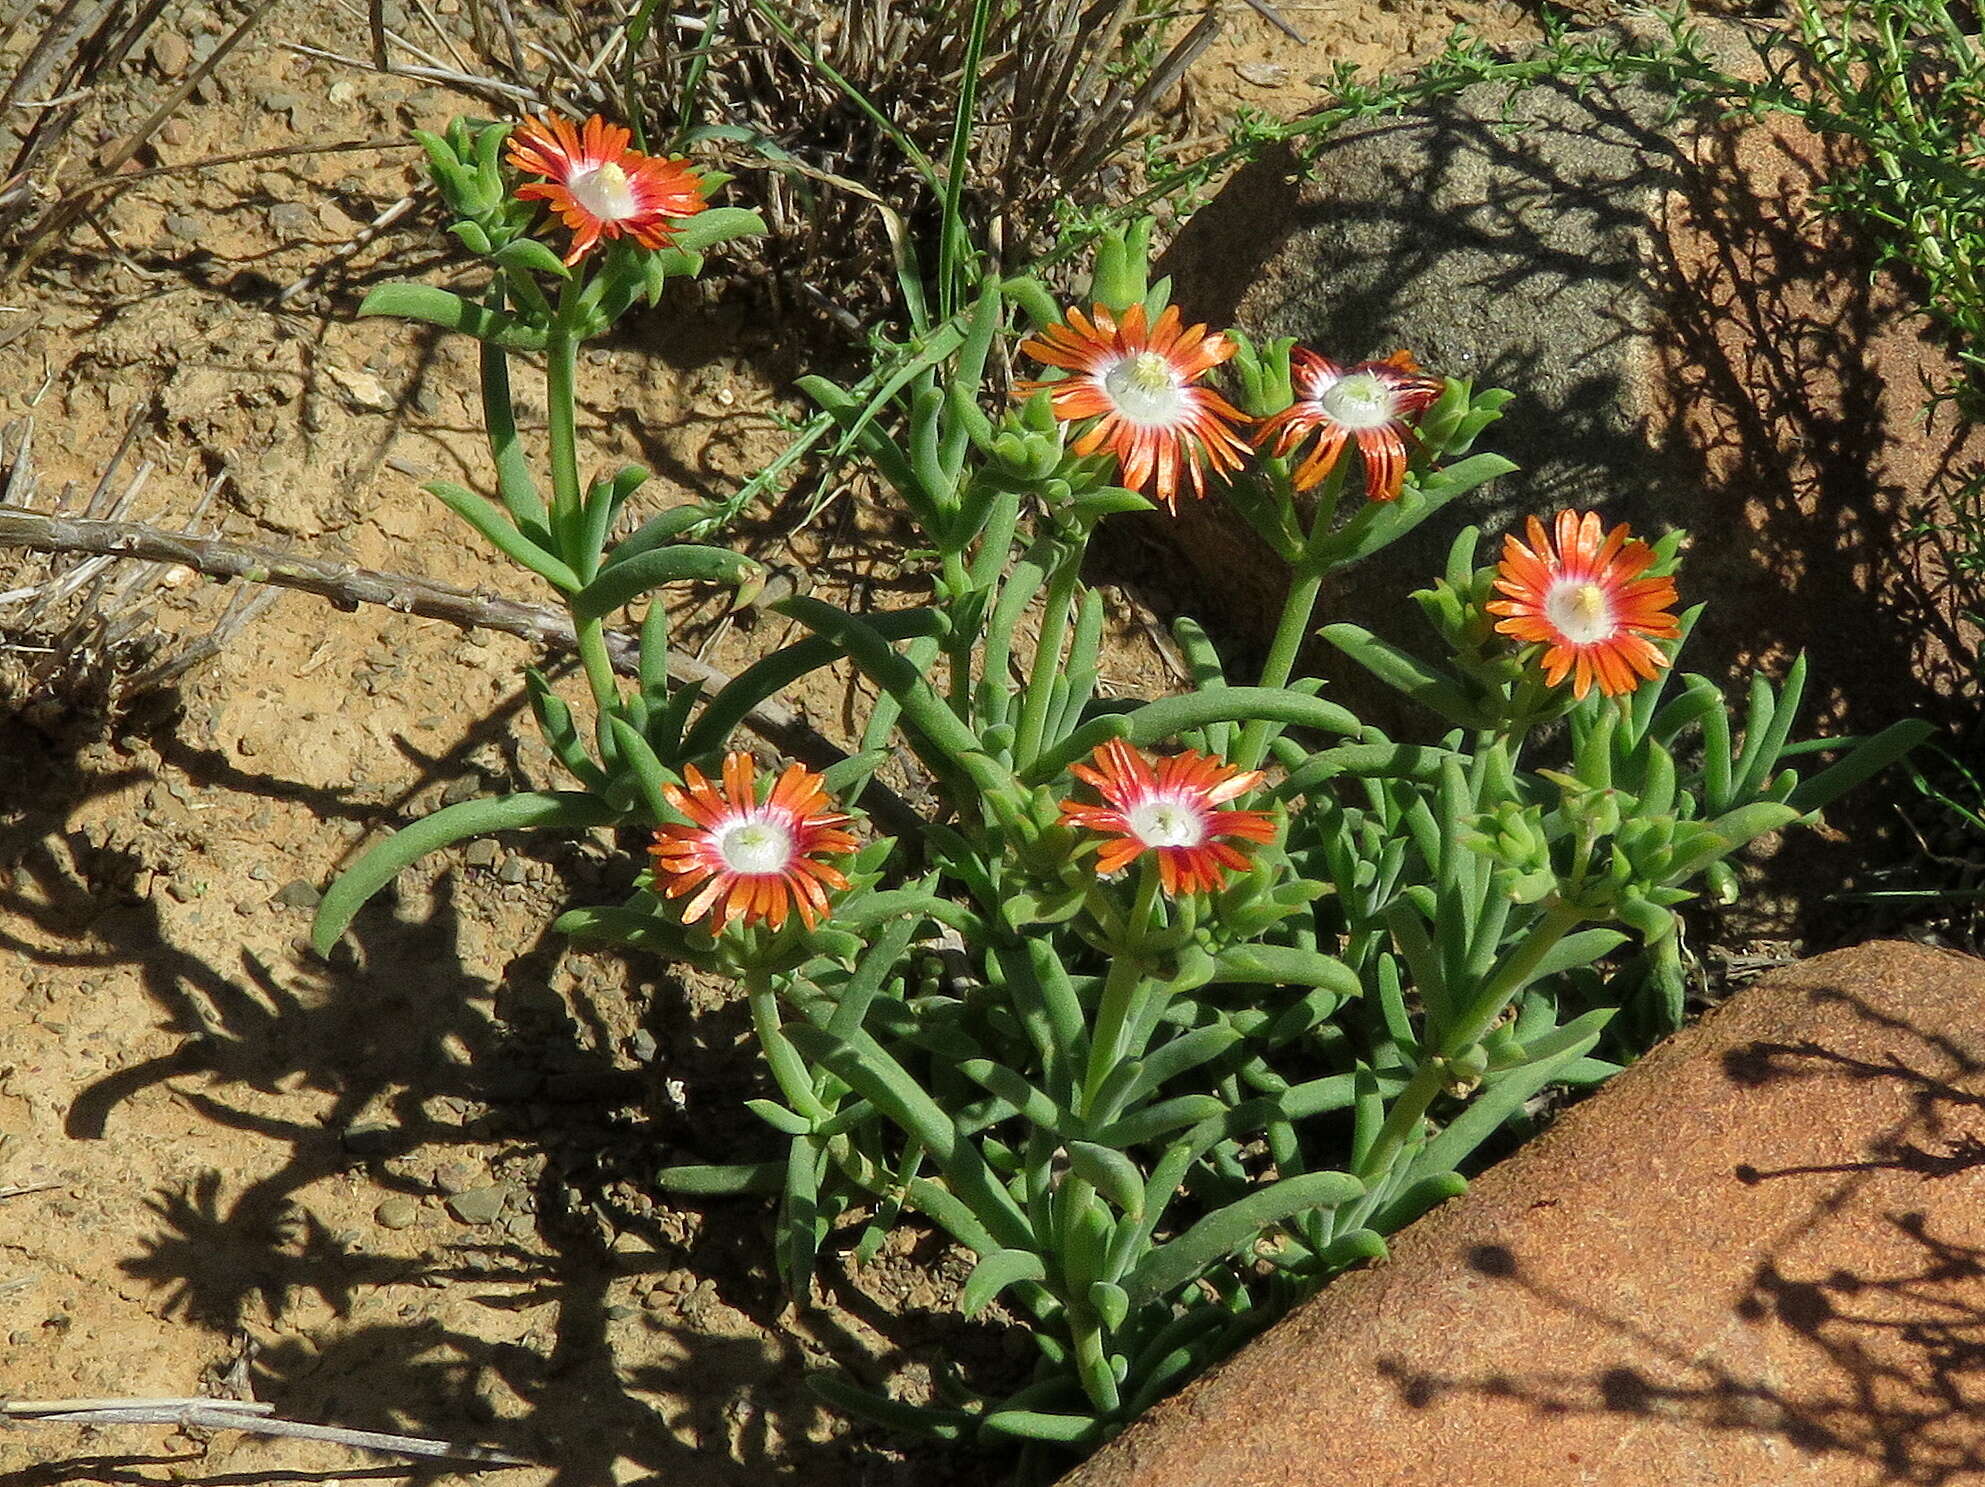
[
  {"x": 245, "y": 1415},
  {"x": 347, "y": 586}
]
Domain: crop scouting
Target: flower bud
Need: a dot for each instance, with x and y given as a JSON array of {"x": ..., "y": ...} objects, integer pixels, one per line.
[{"x": 1462, "y": 1074}]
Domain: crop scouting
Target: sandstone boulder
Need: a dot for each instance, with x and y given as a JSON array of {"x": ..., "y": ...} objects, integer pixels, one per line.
[{"x": 1757, "y": 1256}]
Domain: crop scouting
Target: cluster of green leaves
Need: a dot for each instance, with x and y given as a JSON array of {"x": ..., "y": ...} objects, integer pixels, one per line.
[
  {"x": 1152, "y": 1120},
  {"x": 1154, "y": 1123}
]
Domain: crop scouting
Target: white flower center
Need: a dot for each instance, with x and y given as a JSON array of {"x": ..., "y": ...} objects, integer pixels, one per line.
[
  {"x": 1166, "y": 821},
  {"x": 1579, "y": 610},
  {"x": 604, "y": 192},
  {"x": 1145, "y": 389},
  {"x": 755, "y": 846},
  {"x": 1359, "y": 401}
]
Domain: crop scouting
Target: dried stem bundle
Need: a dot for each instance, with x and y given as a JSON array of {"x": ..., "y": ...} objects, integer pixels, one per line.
[{"x": 77, "y": 624}]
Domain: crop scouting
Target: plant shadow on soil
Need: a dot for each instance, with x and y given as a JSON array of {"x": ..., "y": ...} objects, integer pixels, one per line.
[
  {"x": 1886, "y": 1353},
  {"x": 414, "y": 1058}
]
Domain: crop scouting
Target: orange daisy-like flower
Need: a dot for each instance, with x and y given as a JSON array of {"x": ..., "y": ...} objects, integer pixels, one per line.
[
  {"x": 1141, "y": 384},
  {"x": 1171, "y": 809},
  {"x": 1370, "y": 403},
  {"x": 754, "y": 861},
  {"x": 600, "y": 187},
  {"x": 1586, "y": 602}
]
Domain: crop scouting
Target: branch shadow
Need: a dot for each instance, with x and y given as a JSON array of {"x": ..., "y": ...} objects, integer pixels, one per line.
[
  {"x": 1693, "y": 346},
  {"x": 1886, "y": 1355},
  {"x": 392, "y": 1069}
]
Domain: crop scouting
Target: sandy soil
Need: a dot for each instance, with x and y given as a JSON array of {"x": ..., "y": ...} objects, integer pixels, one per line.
[{"x": 407, "y": 1190}]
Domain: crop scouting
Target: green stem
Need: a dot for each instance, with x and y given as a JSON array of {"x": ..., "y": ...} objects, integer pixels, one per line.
[
  {"x": 567, "y": 516},
  {"x": 1299, "y": 608},
  {"x": 1475, "y": 1019},
  {"x": 1047, "y": 657},
  {"x": 1123, "y": 990},
  {"x": 591, "y": 635},
  {"x": 1099, "y": 1380},
  {"x": 789, "y": 1070},
  {"x": 958, "y": 648},
  {"x": 561, "y": 398},
  {"x": 1113, "y": 1019},
  {"x": 1290, "y": 633}
]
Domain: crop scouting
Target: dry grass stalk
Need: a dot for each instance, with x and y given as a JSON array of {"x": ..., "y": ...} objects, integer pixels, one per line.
[
  {"x": 78, "y": 632},
  {"x": 245, "y": 1415},
  {"x": 836, "y": 115},
  {"x": 79, "y": 50}
]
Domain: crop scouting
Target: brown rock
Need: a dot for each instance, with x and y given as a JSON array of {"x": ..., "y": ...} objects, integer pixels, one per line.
[
  {"x": 170, "y": 53},
  {"x": 1757, "y": 1257}
]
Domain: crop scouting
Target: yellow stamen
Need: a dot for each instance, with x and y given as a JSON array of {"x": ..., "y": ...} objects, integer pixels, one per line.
[
  {"x": 1148, "y": 373},
  {"x": 1588, "y": 603}
]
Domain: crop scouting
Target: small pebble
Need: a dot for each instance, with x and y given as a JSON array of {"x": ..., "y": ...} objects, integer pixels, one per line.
[
  {"x": 458, "y": 1177},
  {"x": 397, "y": 1213},
  {"x": 478, "y": 1205},
  {"x": 461, "y": 788},
  {"x": 513, "y": 871},
  {"x": 170, "y": 53},
  {"x": 292, "y": 219},
  {"x": 643, "y": 1046},
  {"x": 299, "y": 893},
  {"x": 183, "y": 226},
  {"x": 335, "y": 221},
  {"x": 483, "y": 853}
]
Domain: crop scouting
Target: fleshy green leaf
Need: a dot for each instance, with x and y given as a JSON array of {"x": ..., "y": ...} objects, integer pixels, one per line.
[
  {"x": 1867, "y": 758},
  {"x": 680, "y": 563},
  {"x": 456, "y": 823},
  {"x": 893, "y": 1414},
  {"x": 1225, "y": 1232},
  {"x": 532, "y": 255},
  {"x": 993, "y": 1274},
  {"x": 1432, "y": 690},
  {"x": 1111, "y": 1173},
  {"x": 723, "y": 1181},
  {"x": 498, "y": 529},
  {"x": 452, "y": 312}
]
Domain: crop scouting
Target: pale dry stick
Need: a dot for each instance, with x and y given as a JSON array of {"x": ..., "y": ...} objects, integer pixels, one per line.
[
  {"x": 247, "y": 1415},
  {"x": 434, "y": 25},
  {"x": 395, "y": 37},
  {"x": 59, "y": 35},
  {"x": 347, "y": 586},
  {"x": 274, "y": 152},
  {"x": 467, "y": 82}
]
